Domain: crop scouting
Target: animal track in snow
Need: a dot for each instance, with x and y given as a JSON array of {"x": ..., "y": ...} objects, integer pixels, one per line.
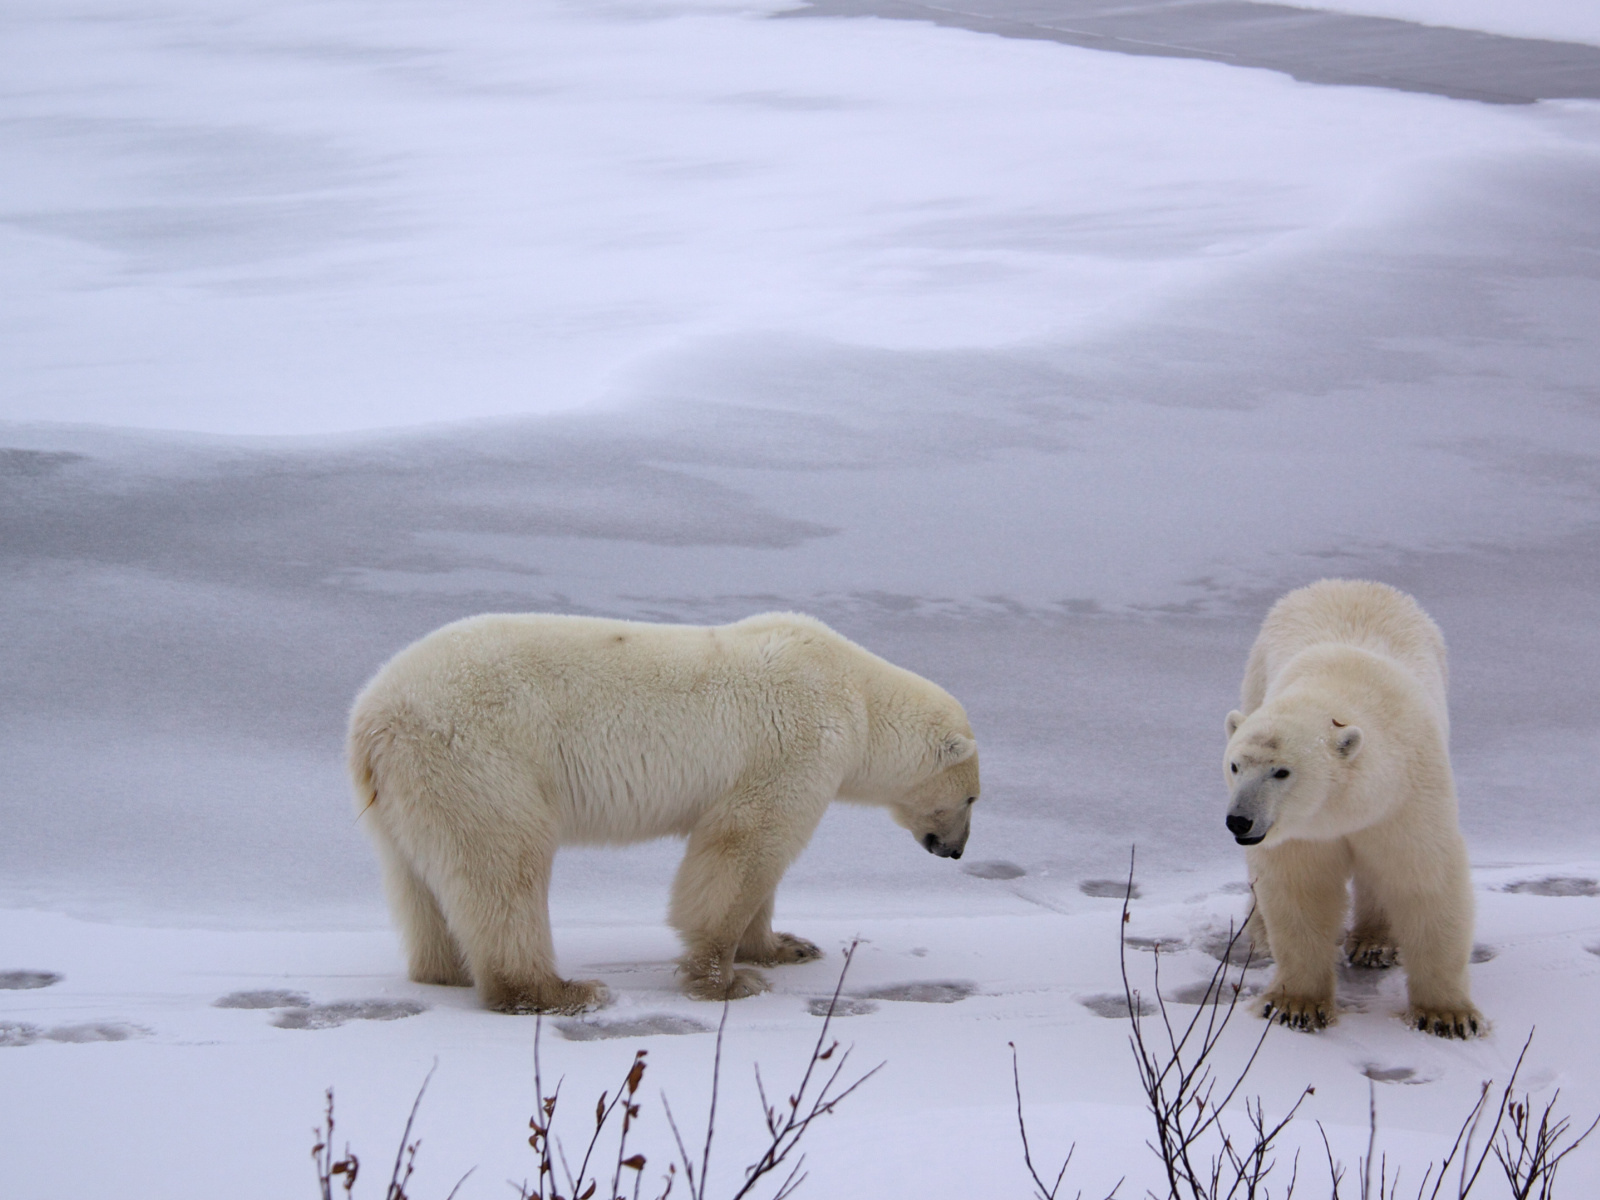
[
  {"x": 22, "y": 980},
  {"x": 331, "y": 1016},
  {"x": 1482, "y": 953},
  {"x": 1115, "y": 1005},
  {"x": 14, "y": 1033},
  {"x": 922, "y": 993},
  {"x": 1555, "y": 885},
  {"x": 994, "y": 869},
  {"x": 846, "y": 1006},
  {"x": 1215, "y": 944},
  {"x": 1205, "y": 993},
  {"x": 1109, "y": 889},
  {"x": 655, "y": 1025},
  {"x": 267, "y": 998},
  {"x": 1391, "y": 1074},
  {"x": 1167, "y": 945}
]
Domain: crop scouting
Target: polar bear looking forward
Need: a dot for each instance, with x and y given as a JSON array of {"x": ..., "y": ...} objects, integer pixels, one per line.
[
  {"x": 1338, "y": 769},
  {"x": 480, "y": 749}
]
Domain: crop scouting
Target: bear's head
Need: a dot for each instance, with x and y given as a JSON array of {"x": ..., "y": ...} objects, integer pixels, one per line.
[
  {"x": 938, "y": 809},
  {"x": 1285, "y": 765}
]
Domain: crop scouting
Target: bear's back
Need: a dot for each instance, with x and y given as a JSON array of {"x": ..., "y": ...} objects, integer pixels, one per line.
[{"x": 1369, "y": 616}]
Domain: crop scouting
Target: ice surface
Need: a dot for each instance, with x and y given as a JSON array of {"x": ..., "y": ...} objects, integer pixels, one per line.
[
  {"x": 1348, "y": 48},
  {"x": 1559, "y": 20},
  {"x": 1037, "y": 370}
]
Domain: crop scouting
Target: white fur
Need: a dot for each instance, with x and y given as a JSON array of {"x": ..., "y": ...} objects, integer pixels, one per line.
[
  {"x": 1344, "y": 696},
  {"x": 480, "y": 749}
]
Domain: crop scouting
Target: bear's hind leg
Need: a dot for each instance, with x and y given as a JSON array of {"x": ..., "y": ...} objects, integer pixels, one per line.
[
  {"x": 432, "y": 952},
  {"x": 1370, "y": 942},
  {"x": 500, "y": 907},
  {"x": 762, "y": 947},
  {"x": 1302, "y": 890}
]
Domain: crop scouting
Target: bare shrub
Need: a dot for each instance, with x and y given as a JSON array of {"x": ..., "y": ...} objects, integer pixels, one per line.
[
  {"x": 342, "y": 1172},
  {"x": 1202, "y": 1159},
  {"x": 821, "y": 1088}
]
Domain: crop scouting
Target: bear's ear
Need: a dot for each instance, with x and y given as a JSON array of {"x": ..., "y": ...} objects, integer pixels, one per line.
[
  {"x": 955, "y": 748},
  {"x": 1347, "y": 743},
  {"x": 1235, "y": 719}
]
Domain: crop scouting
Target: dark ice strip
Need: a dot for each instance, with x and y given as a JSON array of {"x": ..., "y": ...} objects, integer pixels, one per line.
[{"x": 1312, "y": 46}]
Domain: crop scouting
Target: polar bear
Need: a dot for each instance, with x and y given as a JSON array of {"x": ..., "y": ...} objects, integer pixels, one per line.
[
  {"x": 1338, "y": 769},
  {"x": 480, "y": 749}
]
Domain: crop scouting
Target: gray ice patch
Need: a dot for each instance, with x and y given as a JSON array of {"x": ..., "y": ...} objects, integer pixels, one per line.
[
  {"x": 1110, "y": 889},
  {"x": 1216, "y": 944},
  {"x": 1482, "y": 953},
  {"x": 994, "y": 869},
  {"x": 265, "y": 998},
  {"x": 846, "y": 1006},
  {"x": 1115, "y": 1005},
  {"x": 657, "y": 1025},
  {"x": 95, "y": 1031},
  {"x": 1167, "y": 945},
  {"x": 1555, "y": 885},
  {"x": 1204, "y": 992},
  {"x": 22, "y": 980},
  {"x": 331, "y": 1016},
  {"x": 1390, "y": 1074},
  {"x": 923, "y": 993},
  {"x": 15, "y": 1033}
]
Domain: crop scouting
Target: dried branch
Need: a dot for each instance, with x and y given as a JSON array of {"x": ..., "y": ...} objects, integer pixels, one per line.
[{"x": 1181, "y": 1086}]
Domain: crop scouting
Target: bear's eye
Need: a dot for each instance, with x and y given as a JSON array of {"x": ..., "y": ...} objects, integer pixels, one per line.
[
  {"x": 1235, "y": 767},
  {"x": 1281, "y": 773}
]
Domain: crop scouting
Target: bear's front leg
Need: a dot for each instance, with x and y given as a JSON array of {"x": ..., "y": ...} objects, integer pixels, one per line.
[
  {"x": 1436, "y": 945},
  {"x": 1300, "y": 888},
  {"x": 735, "y": 858},
  {"x": 764, "y": 947}
]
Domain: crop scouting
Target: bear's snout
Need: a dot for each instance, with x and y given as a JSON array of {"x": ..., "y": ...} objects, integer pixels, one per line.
[
  {"x": 1240, "y": 828},
  {"x": 935, "y": 845}
]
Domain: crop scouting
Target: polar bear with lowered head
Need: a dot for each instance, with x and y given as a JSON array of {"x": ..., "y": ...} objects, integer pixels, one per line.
[
  {"x": 480, "y": 749},
  {"x": 1338, "y": 768}
]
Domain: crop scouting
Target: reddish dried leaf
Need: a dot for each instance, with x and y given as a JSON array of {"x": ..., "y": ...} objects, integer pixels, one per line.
[{"x": 635, "y": 1163}]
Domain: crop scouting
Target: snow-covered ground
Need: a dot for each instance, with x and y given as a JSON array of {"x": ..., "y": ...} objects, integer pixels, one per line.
[{"x": 1038, "y": 370}]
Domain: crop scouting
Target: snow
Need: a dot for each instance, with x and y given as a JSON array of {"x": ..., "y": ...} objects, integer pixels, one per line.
[{"x": 1038, "y": 370}]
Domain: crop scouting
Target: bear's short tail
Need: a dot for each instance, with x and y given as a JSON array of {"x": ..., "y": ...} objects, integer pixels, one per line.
[{"x": 365, "y": 739}]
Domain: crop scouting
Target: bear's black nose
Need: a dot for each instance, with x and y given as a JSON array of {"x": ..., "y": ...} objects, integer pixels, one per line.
[{"x": 1239, "y": 826}]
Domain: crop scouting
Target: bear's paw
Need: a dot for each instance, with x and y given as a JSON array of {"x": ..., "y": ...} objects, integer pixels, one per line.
[
  {"x": 560, "y": 997},
  {"x": 1305, "y": 1013},
  {"x": 1454, "y": 1021},
  {"x": 709, "y": 981},
  {"x": 1369, "y": 953},
  {"x": 781, "y": 950}
]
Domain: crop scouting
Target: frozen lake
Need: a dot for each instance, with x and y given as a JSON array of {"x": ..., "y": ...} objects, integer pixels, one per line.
[{"x": 1037, "y": 369}]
